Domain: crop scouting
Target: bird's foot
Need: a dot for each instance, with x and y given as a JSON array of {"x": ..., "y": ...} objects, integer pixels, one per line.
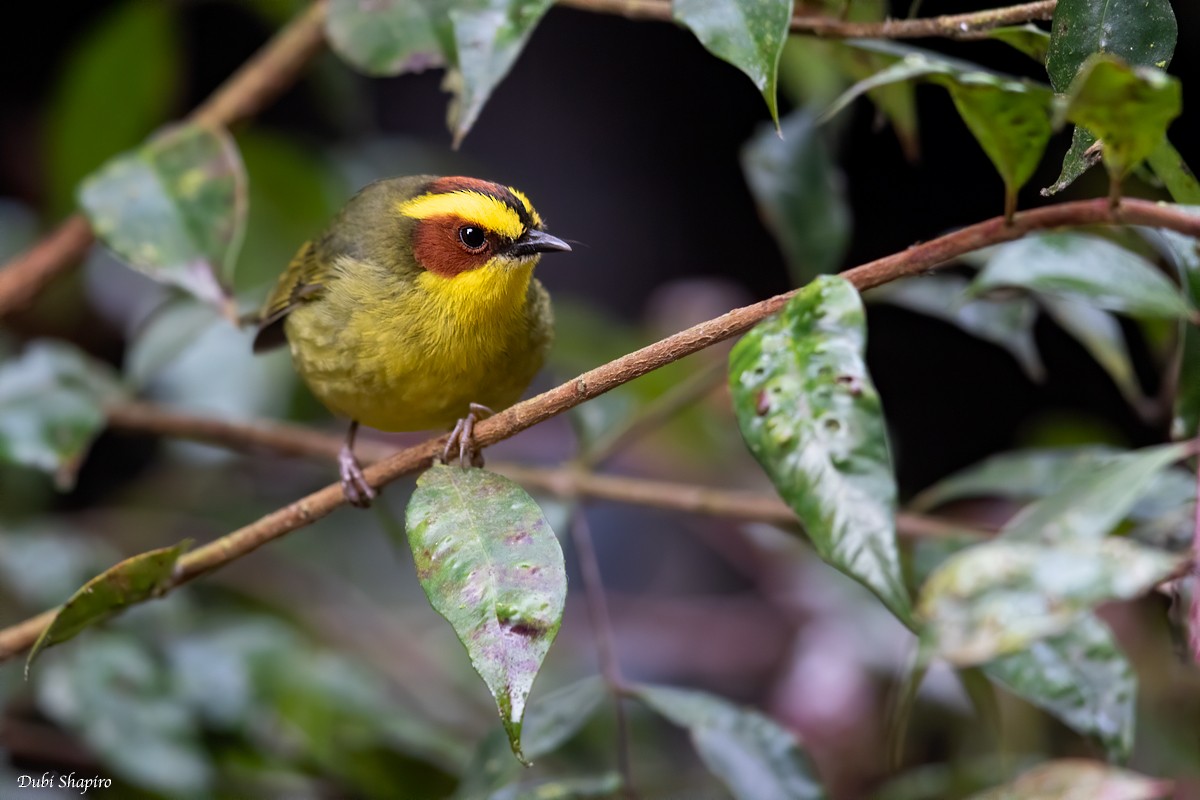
[
  {"x": 462, "y": 438},
  {"x": 354, "y": 484}
]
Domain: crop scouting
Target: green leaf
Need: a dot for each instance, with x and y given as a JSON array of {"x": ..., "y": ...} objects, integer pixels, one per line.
[
  {"x": 800, "y": 194},
  {"x": 910, "y": 67},
  {"x": 174, "y": 209},
  {"x": 751, "y": 754},
  {"x": 132, "y": 581},
  {"x": 1100, "y": 334},
  {"x": 1082, "y": 678},
  {"x": 51, "y": 408},
  {"x": 749, "y": 34},
  {"x": 129, "y": 61},
  {"x": 1083, "y": 154},
  {"x": 1077, "y": 779},
  {"x": 998, "y": 598},
  {"x": 1183, "y": 252},
  {"x": 811, "y": 416},
  {"x": 1175, "y": 174},
  {"x": 1091, "y": 503},
  {"x": 1007, "y": 323},
  {"x": 1129, "y": 108},
  {"x": 386, "y": 37},
  {"x": 605, "y": 785},
  {"x": 1010, "y": 120},
  {"x": 1028, "y": 38},
  {"x": 1086, "y": 268},
  {"x": 492, "y": 567}
]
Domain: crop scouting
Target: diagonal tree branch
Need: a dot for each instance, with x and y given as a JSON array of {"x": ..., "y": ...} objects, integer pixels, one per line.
[
  {"x": 913, "y": 261},
  {"x": 260, "y": 80}
]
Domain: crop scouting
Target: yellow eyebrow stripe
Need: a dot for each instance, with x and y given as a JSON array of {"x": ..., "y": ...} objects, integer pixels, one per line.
[
  {"x": 480, "y": 209},
  {"x": 537, "y": 219}
]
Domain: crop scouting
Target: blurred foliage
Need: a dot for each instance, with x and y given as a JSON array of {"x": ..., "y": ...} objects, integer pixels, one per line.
[{"x": 319, "y": 670}]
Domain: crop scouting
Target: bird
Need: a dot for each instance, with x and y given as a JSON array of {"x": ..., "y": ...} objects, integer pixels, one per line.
[{"x": 416, "y": 309}]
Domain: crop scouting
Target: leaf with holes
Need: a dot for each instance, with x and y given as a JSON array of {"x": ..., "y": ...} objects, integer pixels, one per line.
[
  {"x": 811, "y": 416},
  {"x": 134, "y": 580},
  {"x": 52, "y": 407},
  {"x": 1077, "y": 779},
  {"x": 749, "y": 34},
  {"x": 1086, "y": 268},
  {"x": 490, "y": 565},
  {"x": 750, "y": 753},
  {"x": 1082, "y": 678},
  {"x": 998, "y": 598},
  {"x": 174, "y": 209},
  {"x": 1127, "y": 107},
  {"x": 386, "y": 37},
  {"x": 1142, "y": 32}
]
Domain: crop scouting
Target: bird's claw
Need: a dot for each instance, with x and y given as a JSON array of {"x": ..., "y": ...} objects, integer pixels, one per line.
[
  {"x": 354, "y": 484},
  {"x": 462, "y": 438}
]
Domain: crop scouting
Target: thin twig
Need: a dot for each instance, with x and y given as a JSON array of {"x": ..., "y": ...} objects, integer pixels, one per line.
[
  {"x": 971, "y": 25},
  {"x": 913, "y": 261},
  {"x": 606, "y": 649},
  {"x": 255, "y": 84}
]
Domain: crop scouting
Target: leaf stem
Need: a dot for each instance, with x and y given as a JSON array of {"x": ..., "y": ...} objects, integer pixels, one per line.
[
  {"x": 267, "y": 74},
  {"x": 915, "y": 260}
]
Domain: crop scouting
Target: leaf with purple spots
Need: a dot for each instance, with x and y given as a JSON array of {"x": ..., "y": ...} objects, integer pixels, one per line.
[{"x": 490, "y": 564}]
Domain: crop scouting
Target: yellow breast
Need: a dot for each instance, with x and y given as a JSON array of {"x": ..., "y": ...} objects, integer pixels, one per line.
[{"x": 413, "y": 355}]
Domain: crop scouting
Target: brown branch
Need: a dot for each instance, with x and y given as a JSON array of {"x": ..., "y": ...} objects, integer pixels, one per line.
[
  {"x": 971, "y": 25},
  {"x": 913, "y": 261},
  {"x": 256, "y": 83}
]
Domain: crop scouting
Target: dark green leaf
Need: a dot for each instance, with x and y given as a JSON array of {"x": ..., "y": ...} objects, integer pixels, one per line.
[
  {"x": 1007, "y": 323},
  {"x": 556, "y": 717},
  {"x": 1127, "y": 107},
  {"x": 811, "y": 416},
  {"x": 914, "y": 65},
  {"x": 747, "y": 33},
  {"x": 492, "y": 567},
  {"x": 1082, "y": 678},
  {"x": 128, "y": 61},
  {"x": 1091, "y": 503},
  {"x": 1028, "y": 38},
  {"x": 174, "y": 209},
  {"x": 800, "y": 195},
  {"x": 1100, "y": 334},
  {"x": 51, "y": 408},
  {"x": 1076, "y": 779},
  {"x": 750, "y": 753},
  {"x": 488, "y": 41},
  {"x": 386, "y": 37},
  {"x": 1142, "y": 32},
  {"x": 134, "y": 580},
  {"x": 998, "y": 598},
  {"x": 1086, "y": 268},
  {"x": 1175, "y": 174}
]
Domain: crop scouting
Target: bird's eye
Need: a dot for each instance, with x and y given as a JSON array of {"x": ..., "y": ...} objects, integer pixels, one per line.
[{"x": 473, "y": 237}]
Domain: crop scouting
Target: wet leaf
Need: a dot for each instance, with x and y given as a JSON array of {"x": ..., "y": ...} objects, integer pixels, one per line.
[
  {"x": 386, "y": 37},
  {"x": 1028, "y": 38},
  {"x": 129, "y": 61},
  {"x": 1087, "y": 268},
  {"x": 1000, "y": 597},
  {"x": 488, "y": 41},
  {"x": 1127, "y": 107},
  {"x": 174, "y": 209},
  {"x": 752, "y": 755},
  {"x": 51, "y": 408},
  {"x": 132, "y": 581},
  {"x": 811, "y": 416},
  {"x": 1082, "y": 678},
  {"x": 747, "y": 33},
  {"x": 1076, "y": 779},
  {"x": 1100, "y": 334},
  {"x": 1092, "y": 502},
  {"x": 1007, "y": 323},
  {"x": 491, "y": 566},
  {"x": 1142, "y": 32},
  {"x": 800, "y": 194}
]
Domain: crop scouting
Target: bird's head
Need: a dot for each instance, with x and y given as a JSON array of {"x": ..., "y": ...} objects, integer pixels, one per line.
[{"x": 459, "y": 225}]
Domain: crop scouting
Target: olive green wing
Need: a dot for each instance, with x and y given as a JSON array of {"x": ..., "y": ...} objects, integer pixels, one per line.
[{"x": 303, "y": 280}]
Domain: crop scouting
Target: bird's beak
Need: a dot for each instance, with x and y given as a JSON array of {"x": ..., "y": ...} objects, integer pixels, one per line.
[{"x": 534, "y": 241}]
